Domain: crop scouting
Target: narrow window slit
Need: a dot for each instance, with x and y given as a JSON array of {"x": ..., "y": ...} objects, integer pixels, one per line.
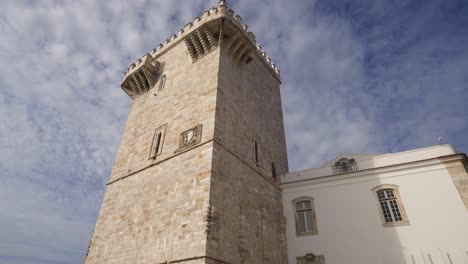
[
  {"x": 273, "y": 170},
  {"x": 256, "y": 152},
  {"x": 156, "y": 145},
  {"x": 162, "y": 83}
]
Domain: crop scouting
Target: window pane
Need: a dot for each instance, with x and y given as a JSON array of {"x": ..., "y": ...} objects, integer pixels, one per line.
[
  {"x": 305, "y": 205},
  {"x": 390, "y": 193},
  {"x": 386, "y": 211},
  {"x": 301, "y": 222},
  {"x": 395, "y": 210},
  {"x": 381, "y": 195},
  {"x": 308, "y": 218},
  {"x": 304, "y": 217},
  {"x": 389, "y": 203}
]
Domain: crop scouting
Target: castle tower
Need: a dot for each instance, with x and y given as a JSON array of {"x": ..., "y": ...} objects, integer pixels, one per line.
[{"x": 196, "y": 177}]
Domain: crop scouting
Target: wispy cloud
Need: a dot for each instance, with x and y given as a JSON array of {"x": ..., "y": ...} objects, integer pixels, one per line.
[
  {"x": 367, "y": 76},
  {"x": 358, "y": 76}
]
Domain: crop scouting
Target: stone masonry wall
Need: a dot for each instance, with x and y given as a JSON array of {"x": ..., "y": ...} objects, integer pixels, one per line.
[
  {"x": 155, "y": 210},
  {"x": 458, "y": 172},
  {"x": 188, "y": 99},
  {"x": 248, "y": 225},
  {"x": 157, "y": 214}
]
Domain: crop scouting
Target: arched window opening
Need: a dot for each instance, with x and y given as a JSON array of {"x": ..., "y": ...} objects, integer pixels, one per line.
[{"x": 391, "y": 206}]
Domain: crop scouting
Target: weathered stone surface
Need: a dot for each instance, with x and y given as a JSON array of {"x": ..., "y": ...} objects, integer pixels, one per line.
[
  {"x": 246, "y": 198},
  {"x": 154, "y": 210},
  {"x": 214, "y": 201},
  {"x": 459, "y": 175}
]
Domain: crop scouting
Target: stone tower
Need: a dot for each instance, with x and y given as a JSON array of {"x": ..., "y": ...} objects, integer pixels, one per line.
[{"x": 196, "y": 177}]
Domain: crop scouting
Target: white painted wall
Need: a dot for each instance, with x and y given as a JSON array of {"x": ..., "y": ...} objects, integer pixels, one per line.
[{"x": 350, "y": 227}]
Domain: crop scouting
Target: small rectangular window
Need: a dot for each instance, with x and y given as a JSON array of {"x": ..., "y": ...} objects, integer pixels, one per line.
[{"x": 156, "y": 145}]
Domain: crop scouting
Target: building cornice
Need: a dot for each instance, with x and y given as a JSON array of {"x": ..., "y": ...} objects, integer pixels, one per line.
[{"x": 440, "y": 160}]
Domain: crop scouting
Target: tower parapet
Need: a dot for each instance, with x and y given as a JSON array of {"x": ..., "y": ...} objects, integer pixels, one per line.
[{"x": 202, "y": 36}]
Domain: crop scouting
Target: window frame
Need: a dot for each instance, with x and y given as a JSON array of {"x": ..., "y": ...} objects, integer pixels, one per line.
[
  {"x": 162, "y": 83},
  {"x": 397, "y": 198},
  {"x": 162, "y": 130},
  {"x": 313, "y": 215}
]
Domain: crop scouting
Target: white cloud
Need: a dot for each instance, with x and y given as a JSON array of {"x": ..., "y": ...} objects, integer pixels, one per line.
[{"x": 349, "y": 85}]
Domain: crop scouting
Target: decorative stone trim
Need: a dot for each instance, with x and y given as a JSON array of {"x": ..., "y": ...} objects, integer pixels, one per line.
[
  {"x": 200, "y": 43},
  {"x": 140, "y": 77},
  {"x": 310, "y": 258},
  {"x": 190, "y": 138},
  {"x": 203, "y": 41},
  {"x": 211, "y": 39},
  {"x": 191, "y": 50}
]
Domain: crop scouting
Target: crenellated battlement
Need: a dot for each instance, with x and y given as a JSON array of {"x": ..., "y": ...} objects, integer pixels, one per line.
[
  {"x": 196, "y": 176},
  {"x": 201, "y": 36}
]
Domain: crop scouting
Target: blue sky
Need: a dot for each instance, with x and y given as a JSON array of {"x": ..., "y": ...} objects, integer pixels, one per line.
[{"x": 369, "y": 76}]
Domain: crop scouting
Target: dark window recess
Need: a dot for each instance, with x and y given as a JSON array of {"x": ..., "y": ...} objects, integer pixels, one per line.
[
  {"x": 256, "y": 152},
  {"x": 158, "y": 141},
  {"x": 156, "y": 145},
  {"x": 273, "y": 170}
]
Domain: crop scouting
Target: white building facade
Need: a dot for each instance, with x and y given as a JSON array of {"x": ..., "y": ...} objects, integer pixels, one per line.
[{"x": 407, "y": 207}]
